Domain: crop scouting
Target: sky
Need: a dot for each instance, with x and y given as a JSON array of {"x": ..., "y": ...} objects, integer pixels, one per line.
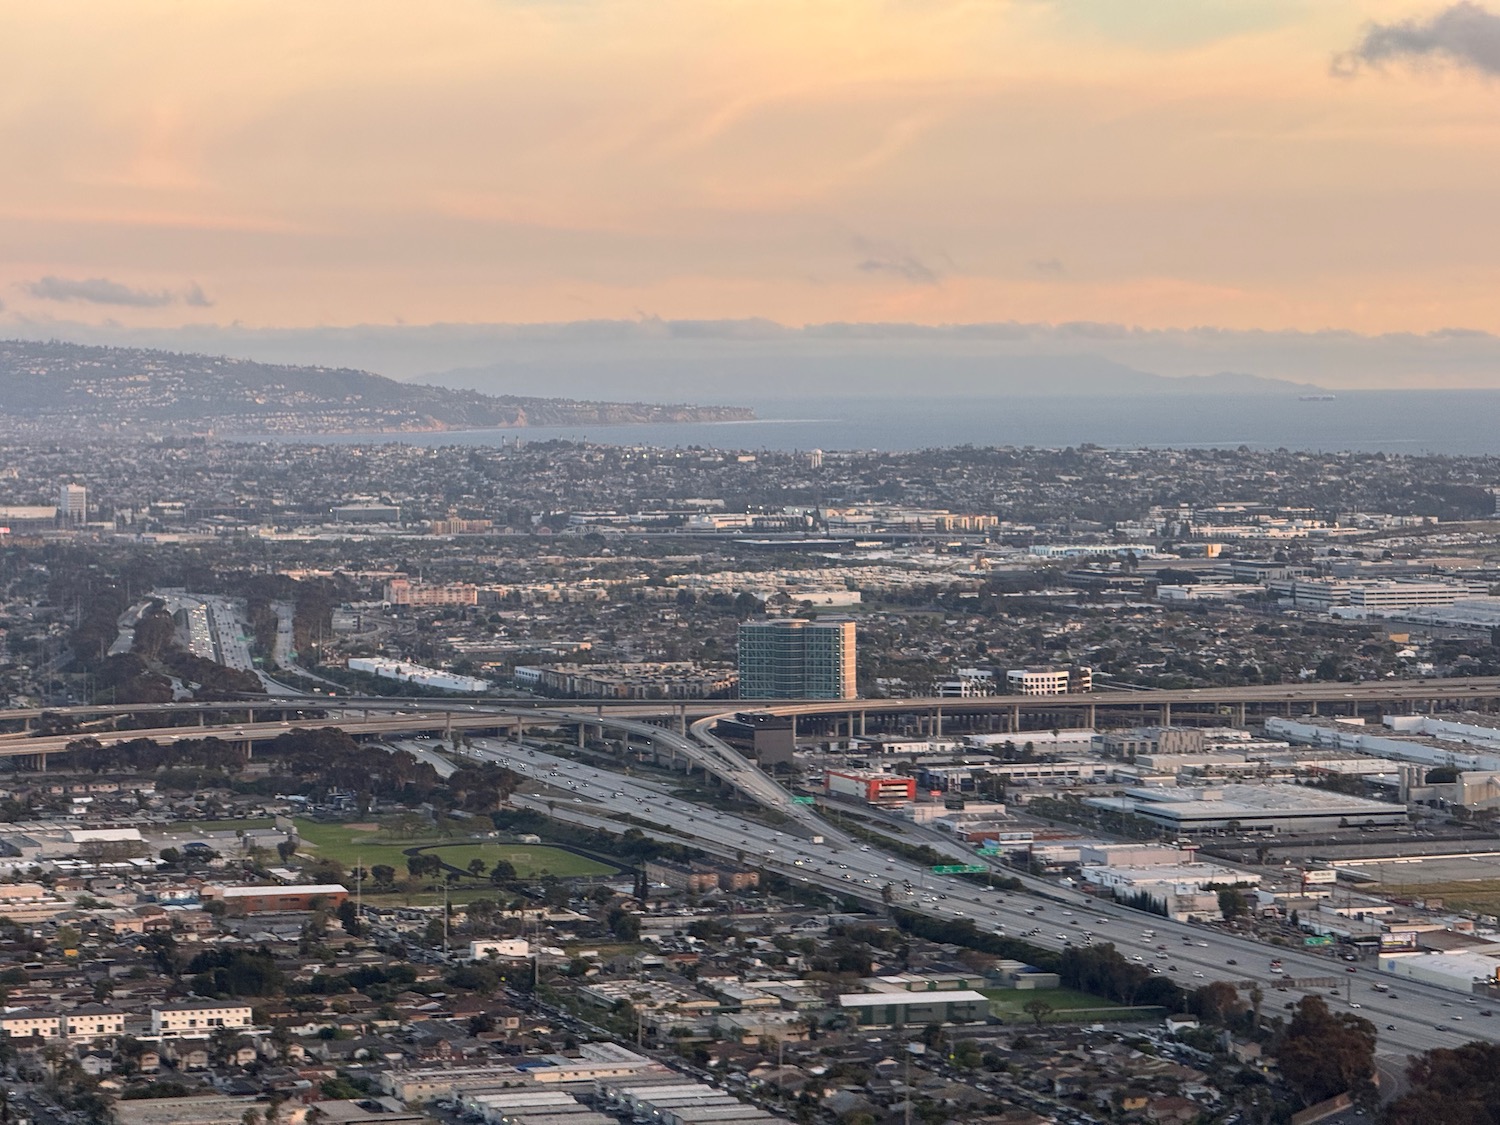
[{"x": 1273, "y": 166}]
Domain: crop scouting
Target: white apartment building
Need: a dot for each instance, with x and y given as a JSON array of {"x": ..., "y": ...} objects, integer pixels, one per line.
[
  {"x": 93, "y": 1021},
  {"x": 24, "y": 1023},
  {"x": 198, "y": 1015}
]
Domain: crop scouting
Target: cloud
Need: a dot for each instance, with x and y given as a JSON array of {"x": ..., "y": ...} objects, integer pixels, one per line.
[
  {"x": 1465, "y": 34},
  {"x": 193, "y": 295},
  {"x": 909, "y": 266},
  {"x": 1047, "y": 267},
  {"x": 103, "y": 291}
]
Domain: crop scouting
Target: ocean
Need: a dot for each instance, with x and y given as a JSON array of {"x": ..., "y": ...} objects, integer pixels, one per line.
[{"x": 1456, "y": 422}]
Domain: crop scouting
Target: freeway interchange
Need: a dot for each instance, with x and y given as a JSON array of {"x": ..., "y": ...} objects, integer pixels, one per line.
[{"x": 1412, "y": 1017}]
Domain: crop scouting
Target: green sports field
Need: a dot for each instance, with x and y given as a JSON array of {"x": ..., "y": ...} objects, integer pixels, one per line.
[
  {"x": 368, "y": 844},
  {"x": 528, "y": 859}
]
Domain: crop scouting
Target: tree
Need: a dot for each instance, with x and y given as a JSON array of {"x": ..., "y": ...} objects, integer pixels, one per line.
[
  {"x": 383, "y": 874},
  {"x": 1038, "y": 1009},
  {"x": 1323, "y": 1054},
  {"x": 1457, "y": 1085},
  {"x": 1232, "y": 902},
  {"x": 421, "y": 865},
  {"x": 476, "y": 867}
]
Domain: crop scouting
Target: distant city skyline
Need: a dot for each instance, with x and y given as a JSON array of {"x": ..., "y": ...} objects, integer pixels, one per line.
[{"x": 1248, "y": 165}]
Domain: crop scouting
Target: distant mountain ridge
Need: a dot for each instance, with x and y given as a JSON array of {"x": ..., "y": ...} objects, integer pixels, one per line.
[
  {"x": 785, "y": 369},
  {"x": 55, "y": 388}
]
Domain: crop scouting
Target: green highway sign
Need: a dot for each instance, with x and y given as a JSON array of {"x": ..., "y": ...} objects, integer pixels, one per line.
[
  {"x": 1318, "y": 939},
  {"x": 804, "y": 800},
  {"x": 959, "y": 869}
]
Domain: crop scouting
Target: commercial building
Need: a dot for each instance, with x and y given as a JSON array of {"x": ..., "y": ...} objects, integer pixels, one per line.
[
  {"x": 366, "y": 513},
  {"x": 1374, "y": 596},
  {"x": 896, "y": 1009},
  {"x": 770, "y": 739},
  {"x": 797, "y": 659},
  {"x": 874, "y": 788},
  {"x": 19, "y": 519},
  {"x": 72, "y": 505},
  {"x": 1049, "y": 681},
  {"x": 505, "y": 948}
]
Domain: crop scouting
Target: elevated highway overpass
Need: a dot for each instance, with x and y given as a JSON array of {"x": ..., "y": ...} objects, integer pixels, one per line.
[{"x": 1155, "y": 705}]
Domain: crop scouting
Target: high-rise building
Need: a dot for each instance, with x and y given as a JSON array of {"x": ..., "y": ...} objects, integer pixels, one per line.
[
  {"x": 73, "y": 504},
  {"x": 796, "y": 659}
]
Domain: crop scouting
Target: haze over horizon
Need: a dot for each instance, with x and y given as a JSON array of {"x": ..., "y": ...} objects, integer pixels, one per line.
[{"x": 1294, "y": 189}]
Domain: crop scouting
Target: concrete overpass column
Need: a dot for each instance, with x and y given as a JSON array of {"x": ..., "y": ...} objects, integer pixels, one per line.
[
  {"x": 41, "y": 762},
  {"x": 1239, "y": 715},
  {"x": 1089, "y": 716},
  {"x": 1166, "y": 714},
  {"x": 937, "y": 722},
  {"x": 1015, "y": 718},
  {"x": 582, "y": 735},
  {"x": 682, "y": 719},
  {"x": 1312, "y": 708},
  {"x": 861, "y": 724}
]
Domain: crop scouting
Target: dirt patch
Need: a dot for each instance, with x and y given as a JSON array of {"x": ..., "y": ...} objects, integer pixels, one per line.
[{"x": 365, "y": 827}]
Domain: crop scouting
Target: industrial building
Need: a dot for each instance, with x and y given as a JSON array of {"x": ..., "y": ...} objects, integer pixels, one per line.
[
  {"x": 275, "y": 899},
  {"x": 1457, "y": 971},
  {"x": 797, "y": 659},
  {"x": 1251, "y": 808},
  {"x": 873, "y": 788}
]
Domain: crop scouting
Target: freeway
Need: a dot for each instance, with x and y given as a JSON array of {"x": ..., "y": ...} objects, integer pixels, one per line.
[
  {"x": 1414, "y": 1017},
  {"x": 1417, "y": 1017},
  {"x": 1472, "y": 689}
]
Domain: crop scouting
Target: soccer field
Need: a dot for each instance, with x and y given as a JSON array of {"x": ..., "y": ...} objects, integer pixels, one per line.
[{"x": 368, "y": 845}]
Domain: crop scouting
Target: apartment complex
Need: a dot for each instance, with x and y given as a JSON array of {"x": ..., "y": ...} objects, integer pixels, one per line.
[
  {"x": 403, "y": 591},
  {"x": 796, "y": 659}
]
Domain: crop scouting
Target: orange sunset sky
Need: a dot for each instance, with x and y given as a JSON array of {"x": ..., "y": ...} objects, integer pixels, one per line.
[{"x": 1273, "y": 164}]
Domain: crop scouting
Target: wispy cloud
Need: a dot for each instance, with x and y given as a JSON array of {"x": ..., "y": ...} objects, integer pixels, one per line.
[
  {"x": 103, "y": 291},
  {"x": 1047, "y": 267},
  {"x": 1465, "y": 35}
]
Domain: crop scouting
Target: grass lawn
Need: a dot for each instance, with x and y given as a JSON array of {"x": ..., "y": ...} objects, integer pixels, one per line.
[
  {"x": 370, "y": 845},
  {"x": 349, "y": 846},
  {"x": 1008, "y": 1004},
  {"x": 527, "y": 859}
]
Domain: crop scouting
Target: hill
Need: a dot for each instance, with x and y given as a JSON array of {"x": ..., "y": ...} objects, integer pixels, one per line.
[{"x": 51, "y": 388}]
